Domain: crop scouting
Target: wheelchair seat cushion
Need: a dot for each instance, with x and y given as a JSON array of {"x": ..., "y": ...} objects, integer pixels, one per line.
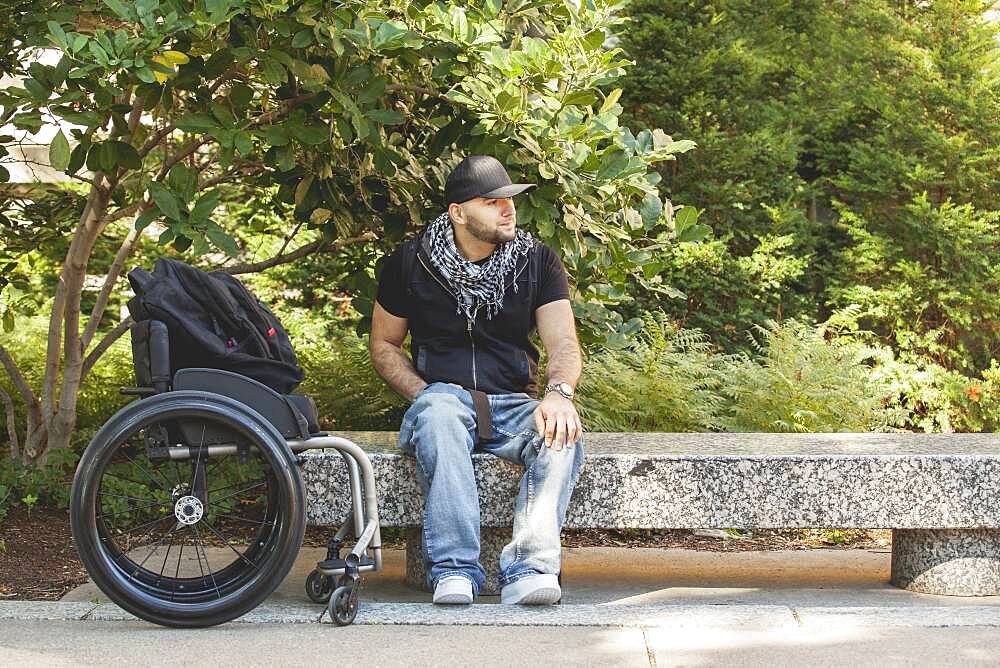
[{"x": 294, "y": 415}]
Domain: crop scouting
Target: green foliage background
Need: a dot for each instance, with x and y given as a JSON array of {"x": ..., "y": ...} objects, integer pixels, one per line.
[
  {"x": 846, "y": 165},
  {"x": 848, "y": 154}
]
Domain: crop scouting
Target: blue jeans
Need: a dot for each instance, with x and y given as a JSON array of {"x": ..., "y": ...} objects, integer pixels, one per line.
[{"x": 439, "y": 429}]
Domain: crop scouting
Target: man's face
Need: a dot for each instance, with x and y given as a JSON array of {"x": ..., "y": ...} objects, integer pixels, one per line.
[{"x": 491, "y": 220}]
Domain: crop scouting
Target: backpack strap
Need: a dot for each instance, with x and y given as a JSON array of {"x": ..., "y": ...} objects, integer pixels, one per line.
[
  {"x": 410, "y": 249},
  {"x": 300, "y": 419}
]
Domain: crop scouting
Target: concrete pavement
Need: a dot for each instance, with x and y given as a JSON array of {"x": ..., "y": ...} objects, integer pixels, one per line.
[{"x": 621, "y": 607}]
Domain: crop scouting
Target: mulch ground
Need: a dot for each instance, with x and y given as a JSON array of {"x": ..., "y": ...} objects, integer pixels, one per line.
[{"x": 38, "y": 561}]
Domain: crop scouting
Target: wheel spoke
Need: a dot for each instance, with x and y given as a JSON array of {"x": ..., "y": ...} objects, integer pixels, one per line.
[
  {"x": 214, "y": 465},
  {"x": 197, "y": 458},
  {"x": 226, "y": 541},
  {"x": 219, "y": 489},
  {"x": 157, "y": 546},
  {"x": 147, "y": 473},
  {"x": 146, "y": 505},
  {"x": 226, "y": 498},
  {"x": 245, "y": 519},
  {"x": 167, "y": 555},
  {"x": 131, "y": 498},
  {"x": 177, "y": 472},
  {"x": 165, "y": 517},
  {"x": 197, "y": 554},
  {"x": 177, "y": 571},
  {"x": 121, "y": 477},
  {"x": 208, "y": 565}
]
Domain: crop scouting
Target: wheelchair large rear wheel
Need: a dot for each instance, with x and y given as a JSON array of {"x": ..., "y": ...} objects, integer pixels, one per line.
[{"x": 187, "y": 509}]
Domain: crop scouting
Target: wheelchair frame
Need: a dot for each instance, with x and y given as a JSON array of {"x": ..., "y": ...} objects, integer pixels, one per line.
[{"x": 154, "y": 378}]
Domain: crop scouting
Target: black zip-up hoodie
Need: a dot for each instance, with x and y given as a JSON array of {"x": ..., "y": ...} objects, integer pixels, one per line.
[{"x": 495, "y": 356}]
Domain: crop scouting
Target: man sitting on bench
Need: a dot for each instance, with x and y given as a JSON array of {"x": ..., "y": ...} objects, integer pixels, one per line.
[{"x": 470, "y": 288}]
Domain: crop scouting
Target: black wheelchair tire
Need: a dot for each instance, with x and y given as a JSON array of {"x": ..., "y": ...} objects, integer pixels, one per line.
[{"x": 284, "y": 540}]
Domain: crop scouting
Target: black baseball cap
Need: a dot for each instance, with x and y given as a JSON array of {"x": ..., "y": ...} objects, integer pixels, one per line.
[{"x": 481, "y": 176}]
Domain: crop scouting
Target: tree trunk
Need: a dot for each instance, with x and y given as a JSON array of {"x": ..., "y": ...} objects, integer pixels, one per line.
[{"x": 51, "y": 417}]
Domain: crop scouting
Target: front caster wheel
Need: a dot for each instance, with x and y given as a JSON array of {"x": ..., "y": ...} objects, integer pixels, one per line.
[
  {"x": 343, "y": 606},
  {"x": 319, "y": 587}
]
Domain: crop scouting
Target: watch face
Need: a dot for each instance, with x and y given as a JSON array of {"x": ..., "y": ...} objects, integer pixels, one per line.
[{"x": 566, "y": 389}]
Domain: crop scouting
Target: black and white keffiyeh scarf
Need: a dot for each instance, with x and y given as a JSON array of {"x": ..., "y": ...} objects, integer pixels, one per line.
[{"x": 476, "y": 285}]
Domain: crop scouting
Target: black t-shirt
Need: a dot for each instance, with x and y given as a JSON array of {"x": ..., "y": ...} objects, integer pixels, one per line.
[{"x": 552, "y": 283}]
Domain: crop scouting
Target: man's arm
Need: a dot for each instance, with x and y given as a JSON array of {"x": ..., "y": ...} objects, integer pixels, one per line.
[
  {"x": 556, "y": 416},
  {"x": 386, "y": 352}
]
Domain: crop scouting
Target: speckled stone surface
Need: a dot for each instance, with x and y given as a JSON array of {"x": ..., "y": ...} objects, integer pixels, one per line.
[
  {"x": 45, "y": 610},
  {"x": 940, "y": 561},
  {"x": 750, "y": 480},
  {"x": 651, "y": 615},
  {"x": 491, "y": 544},
  {"x": 883, "y": 481},
  {"x": 109, "y": 612}
]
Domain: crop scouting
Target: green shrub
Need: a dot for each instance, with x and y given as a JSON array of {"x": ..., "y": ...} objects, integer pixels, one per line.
[
  {"x": 806, "y": 383},
  {"x": 99, "y": 399},
  {"x": 927, "y": 280},
  {"x": 726, "y": 294},
  {"x": 349, "y": 394},
  {"x": 940, "y": 400},
  {"x": 669, "y": 379},
  {"x": 975, "y": 401},
  {"x": 661, "y": 380},
  {"x": 99, "y": 395},
  {"x": 862, "y": 134}
]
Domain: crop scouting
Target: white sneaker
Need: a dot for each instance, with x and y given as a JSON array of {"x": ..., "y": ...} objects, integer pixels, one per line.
[
  {"x": 453, "y": 590},
  {"x": 542, "y": 589}
]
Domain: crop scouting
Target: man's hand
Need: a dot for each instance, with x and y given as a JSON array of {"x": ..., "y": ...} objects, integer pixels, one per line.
[{"x": 557, "y": 419}]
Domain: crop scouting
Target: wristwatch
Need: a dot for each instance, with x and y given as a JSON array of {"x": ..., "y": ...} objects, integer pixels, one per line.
[{"x": 564, "y": 389}]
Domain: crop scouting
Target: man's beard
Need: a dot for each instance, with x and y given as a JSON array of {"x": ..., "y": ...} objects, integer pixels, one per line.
[{"x": 483, "y": 233}]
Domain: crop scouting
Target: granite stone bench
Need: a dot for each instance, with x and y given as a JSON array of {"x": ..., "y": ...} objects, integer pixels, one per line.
[{"x": 939, "y": 493}]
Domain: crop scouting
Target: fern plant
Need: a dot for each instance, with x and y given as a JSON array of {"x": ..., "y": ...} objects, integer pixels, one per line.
[
  {"x": 349, "y": 394},
  {"x": 804, "y": 382},
  {"x": 660, "y": 381}
]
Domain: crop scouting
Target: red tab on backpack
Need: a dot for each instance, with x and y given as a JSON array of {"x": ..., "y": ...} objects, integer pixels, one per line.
[
  {"x": 271, "y": 332},
  {"x": 230, "y": 343}
]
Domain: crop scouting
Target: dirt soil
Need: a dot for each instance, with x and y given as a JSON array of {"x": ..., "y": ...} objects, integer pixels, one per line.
[{"x": 38, "y": 561}]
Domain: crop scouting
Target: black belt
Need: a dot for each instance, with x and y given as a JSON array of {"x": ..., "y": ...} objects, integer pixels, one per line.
[{"x": 484, "y": 419}]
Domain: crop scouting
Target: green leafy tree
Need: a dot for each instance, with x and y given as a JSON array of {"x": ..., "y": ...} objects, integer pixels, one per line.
[
  {"x": 848, "y": 154},
  {"x": 910, "y": 164},
  {"x": 340, "y": 117},
  {"x": 721, "y": 73}
]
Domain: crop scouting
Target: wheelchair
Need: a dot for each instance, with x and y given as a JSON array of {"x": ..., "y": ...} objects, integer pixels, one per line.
[{"x": 188, "y": 507}]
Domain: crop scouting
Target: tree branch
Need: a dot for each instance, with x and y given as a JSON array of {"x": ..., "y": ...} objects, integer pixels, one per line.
[
  {"x": 134, "y": 208},
  {"x": 190, "y": 148},
  {"x": 291, "y": 236},
  {"x": 230, "y": 174},
  {"x": 155, "y": 140},
  {"x": 15, "y": 448},
  {"x": 26, "y": 161},
  {"x": 319, "y": 246},
  {"x": 392, "y": 88},
  {"x": 105, "y": 343},
  {"x": 135, "y": 115},
  {"x": 71, "y": 280},
  {"x": 15, "y": 375},
  {"x": 109, "y": 283}
]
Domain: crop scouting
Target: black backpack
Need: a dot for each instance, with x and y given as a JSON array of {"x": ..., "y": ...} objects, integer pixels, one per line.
[{"x": 213, "y": 321}]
